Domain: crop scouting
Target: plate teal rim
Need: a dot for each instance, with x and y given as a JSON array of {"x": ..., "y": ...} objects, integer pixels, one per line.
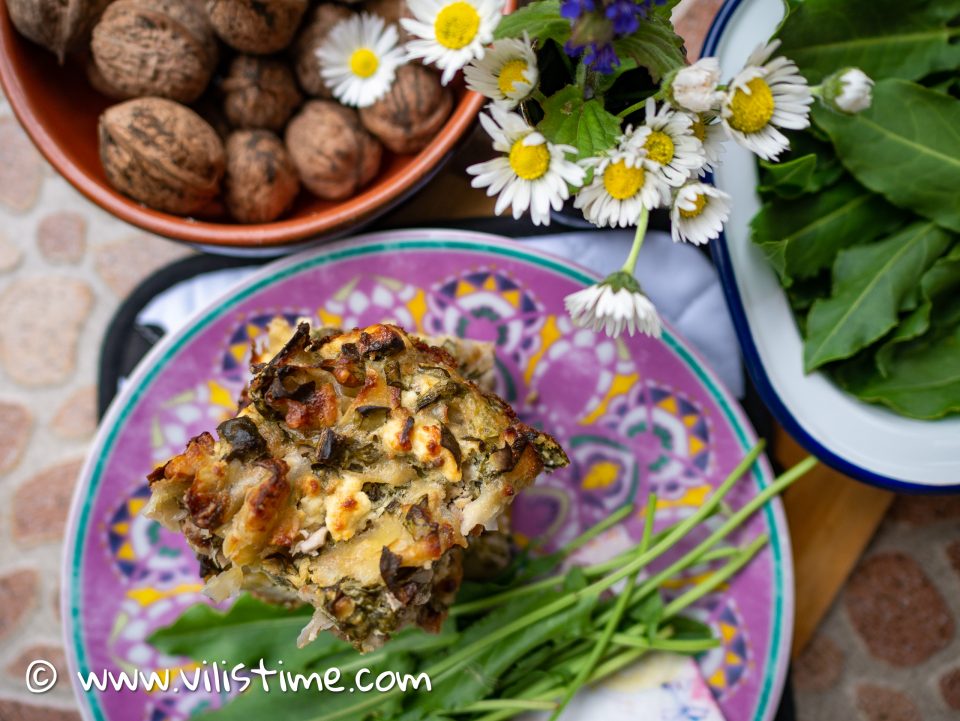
[{"x": 774, "y": 669}]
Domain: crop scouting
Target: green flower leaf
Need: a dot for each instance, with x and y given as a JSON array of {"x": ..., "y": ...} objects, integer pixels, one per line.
[
  {"x": 802, "y": 237},
  {"x": 654, "y": 46},
  {"x": 541, "y": 20},
  {"x": 885, "y": 38},
  {"x": 570, "y": 120},
  {"x": 869, "y": 285},
  {"x": 905, "y": 147}
]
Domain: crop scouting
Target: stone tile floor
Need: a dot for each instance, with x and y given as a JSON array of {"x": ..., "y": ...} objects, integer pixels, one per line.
[{"x": 887, "y": 651}]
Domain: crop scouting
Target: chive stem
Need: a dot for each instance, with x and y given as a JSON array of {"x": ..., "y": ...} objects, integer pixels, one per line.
[{"x": 621, "y": 605}]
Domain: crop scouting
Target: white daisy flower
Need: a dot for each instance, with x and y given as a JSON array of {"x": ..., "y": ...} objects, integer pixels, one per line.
[
  {"x": 621, "y": 188},
  {"x": 763, "y": 97},
  {"x": 450, "y": 33},
  {"x": 849, "y": 90},
  {"x": 615, "y": 305},
  {"x": 359, "y": 59},
  {"x": 507, "y": 72},
  {"x": 532, "y": 173},
  {"x": 698, "y": 214},
  {"x": 709, "y": 131},
  {"x": 672, "y": 150},
  {"x": 694, "y": 87}
]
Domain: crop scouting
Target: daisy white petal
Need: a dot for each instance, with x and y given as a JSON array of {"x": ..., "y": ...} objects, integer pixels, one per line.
[
  {"x": 506, "y": 73},
  {"x": 766, "y": 95},
  {"x": 694, "y": 87},
  {"x": 613, "y": 306},
  {"x": 849, "y": 90},
  {"x": 621, "y": 188},
  {"x": 359, "y": 59},
  {"x": 671, "y": 149},
  {"x": 708, "y": 129},
  {"x": 698, "y": 213},
  {"x": 450, "y": 33},
  {"x": 533, "y": 174}
]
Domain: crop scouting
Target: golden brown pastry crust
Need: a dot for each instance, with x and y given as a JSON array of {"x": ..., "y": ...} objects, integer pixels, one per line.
[{"x": 352, "y": 478}]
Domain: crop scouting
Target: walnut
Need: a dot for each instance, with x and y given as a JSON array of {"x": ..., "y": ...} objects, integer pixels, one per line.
[
  {"x": 58, "y": 25},
  {"x": 391, "y": 11},
  {"x": 162, "y": 154},
  {"x": 311, "y": 37},
  {"x": 160, "y": 48},
  {"x": 412, "y": 112},
  {"x": 100, "y": 84},
  {"x": 256, "y": 26},
  {"x": 260, "y": 93},
  {"x": 334, "y": 155},
  {"x": 261, "y": 182}
]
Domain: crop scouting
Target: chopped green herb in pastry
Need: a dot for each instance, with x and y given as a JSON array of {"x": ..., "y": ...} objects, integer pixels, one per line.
[{"x": 352, "y": 478}]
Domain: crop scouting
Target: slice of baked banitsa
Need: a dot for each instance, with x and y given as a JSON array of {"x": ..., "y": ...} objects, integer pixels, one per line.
[{"x": 353, "y": 476}]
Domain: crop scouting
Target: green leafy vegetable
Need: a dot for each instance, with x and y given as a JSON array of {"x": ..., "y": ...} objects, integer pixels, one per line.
[
  {"x": 905, "y": 147},
  {"x": 802, "y": 237},
  {"x": 584, "y": 124},
  {"x": 940, "y": 289},
  {"x": 809, "y": 167},
  {"x": 870, "y": 283},
  {"x": 269, "y": 632},
  {"x": 922, "y": 377},
  {"x": 885, "y": 38}
]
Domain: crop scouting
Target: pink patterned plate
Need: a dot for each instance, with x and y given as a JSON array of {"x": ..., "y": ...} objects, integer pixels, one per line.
[{"x": 635, "y": 415}]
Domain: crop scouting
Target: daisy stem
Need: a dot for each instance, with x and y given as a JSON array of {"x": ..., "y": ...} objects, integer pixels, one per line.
[
  {"x": 632, "y": 109},
  {"x": 631, "y": 263}
]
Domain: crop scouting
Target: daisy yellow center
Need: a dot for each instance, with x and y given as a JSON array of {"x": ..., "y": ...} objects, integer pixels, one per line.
[
  {"x": 621, "y": 181},
  {"x": 512, "y": 73},
  {"x": 456, "y": 25},
  {"x": 699, "y": 129},
  {"x": 751, "y": 112},
  {"x": 529, "y": 162},
  {"x": 363, "y": 62},
  {"x": 659, "y": 147},
  {"x": 699, "y": 203}
]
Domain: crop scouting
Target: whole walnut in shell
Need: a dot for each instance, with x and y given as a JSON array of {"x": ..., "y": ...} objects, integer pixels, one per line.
[
  {"x": 161, "y": 48},
  {"x": 334, "y": 155},
  {"x": 261, "y": 182},
  {"x": 100, "y": 84},
  {"x": 315, "y": 30},
  {"x": 412, "y": 112},
  {"x": 391, "y": 11},
  {"x": 162, "y": 154},
  {"x": 260, "y": 93},
  {"x": 58, "y": 25},
  {"x": 259, "y": 27}
]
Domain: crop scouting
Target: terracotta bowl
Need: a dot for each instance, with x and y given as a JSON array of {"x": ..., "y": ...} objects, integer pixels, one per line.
[{"x": 59, "y": 110}]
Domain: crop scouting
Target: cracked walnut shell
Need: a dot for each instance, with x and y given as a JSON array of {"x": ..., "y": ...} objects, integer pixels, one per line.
[
  {"x": 408, "y": 117},
  {"x": 334, "y": 155},
  {"x": 261, "y": 182},
  {"x": 162, "y": 154}
]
